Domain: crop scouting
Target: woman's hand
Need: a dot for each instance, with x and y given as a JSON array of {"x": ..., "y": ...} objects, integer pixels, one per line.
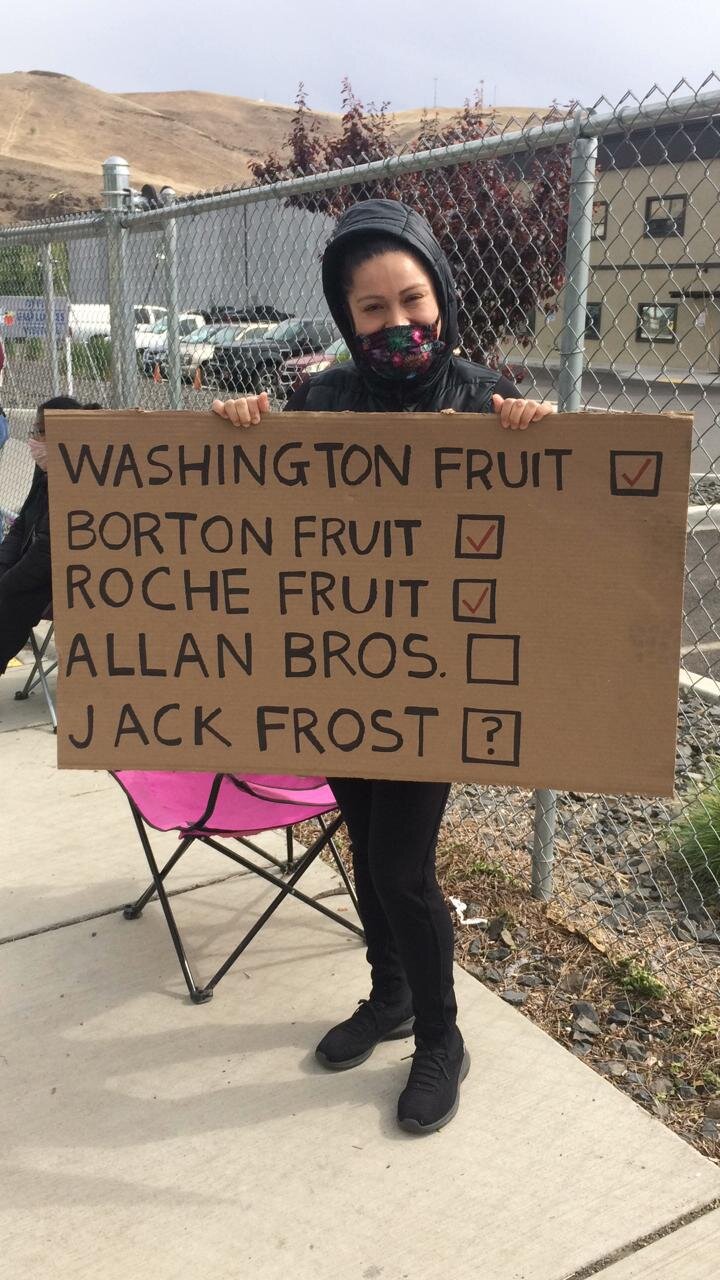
[
  {"x": 518, "y": 414},
  {"x": 245, "y": 412}
]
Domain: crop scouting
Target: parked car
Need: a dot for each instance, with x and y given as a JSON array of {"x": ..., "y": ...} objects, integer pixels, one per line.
[
  {"x": 147, "y": 315},
  {"x": 257, "y": 313},
  {"x": 292, "y": 373},
  {"x": 152, "y": 341},
  {"x": 253, "y": 364},
  {"x": 197, "y": 349}
]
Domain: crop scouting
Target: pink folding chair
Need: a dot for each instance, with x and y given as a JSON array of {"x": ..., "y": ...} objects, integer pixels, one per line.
[{"x": 204, "y": 806}]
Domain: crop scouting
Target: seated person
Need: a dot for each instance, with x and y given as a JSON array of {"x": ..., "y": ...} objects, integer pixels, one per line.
[{"x": 25, "y": 577}]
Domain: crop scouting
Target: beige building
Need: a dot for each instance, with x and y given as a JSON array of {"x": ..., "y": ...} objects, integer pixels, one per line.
[{"x": 654, "y": 293}]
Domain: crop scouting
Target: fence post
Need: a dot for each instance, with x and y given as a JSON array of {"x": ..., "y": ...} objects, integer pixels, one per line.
[
  {"x": 49, "y": 297},
  {"x": 173, "y": 326},
  {"x": 572, "y": 362},
  {"x": 116, "y": 186},
  {"x": 69, "y": 366}
]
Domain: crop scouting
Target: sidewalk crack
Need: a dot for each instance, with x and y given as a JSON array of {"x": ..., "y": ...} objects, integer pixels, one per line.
[{"x": 628, "y": 1250}]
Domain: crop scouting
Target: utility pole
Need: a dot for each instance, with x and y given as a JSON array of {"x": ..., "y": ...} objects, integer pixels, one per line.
[{"x": 435, "y": 82}]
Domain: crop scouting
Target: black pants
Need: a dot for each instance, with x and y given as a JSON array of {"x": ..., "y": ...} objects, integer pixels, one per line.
[
  {"x": 393, "y": 829},
  {"x": 19, "y": 612}
]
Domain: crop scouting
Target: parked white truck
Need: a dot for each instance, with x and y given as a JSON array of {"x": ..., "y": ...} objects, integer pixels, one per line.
[{"x": 92, "y": 319}]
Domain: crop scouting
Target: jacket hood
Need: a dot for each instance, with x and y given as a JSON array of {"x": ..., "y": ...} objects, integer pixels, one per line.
[{"x": 392, "y": 218}]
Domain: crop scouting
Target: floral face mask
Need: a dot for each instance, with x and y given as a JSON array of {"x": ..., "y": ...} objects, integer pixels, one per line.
[{"x": 401, "y": 352}]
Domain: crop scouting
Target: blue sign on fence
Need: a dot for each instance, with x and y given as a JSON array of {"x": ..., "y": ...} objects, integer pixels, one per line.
[{"x": 25, "y": 317}]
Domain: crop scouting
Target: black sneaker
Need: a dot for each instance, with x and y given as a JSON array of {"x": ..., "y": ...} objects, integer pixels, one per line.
[
  {"x": 432, "y": 1094},
  {"x": 351, "y": 1042}
]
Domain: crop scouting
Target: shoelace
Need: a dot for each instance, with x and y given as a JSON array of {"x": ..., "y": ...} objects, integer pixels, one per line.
[
  {"x": 428, "y": 1064},
  {"x": 364, "y": 1015}
]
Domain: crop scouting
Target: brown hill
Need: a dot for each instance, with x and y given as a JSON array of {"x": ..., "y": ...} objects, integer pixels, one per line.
[{"x": 55, "y": 133}]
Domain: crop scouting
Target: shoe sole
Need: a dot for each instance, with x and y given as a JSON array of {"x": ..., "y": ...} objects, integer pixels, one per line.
[
  {"x": 414, "y": 1126},
  {"x": 400, "y": 1032}
]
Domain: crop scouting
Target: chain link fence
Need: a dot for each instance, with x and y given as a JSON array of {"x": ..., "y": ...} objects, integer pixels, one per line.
[{"x": 586, "y": 249}]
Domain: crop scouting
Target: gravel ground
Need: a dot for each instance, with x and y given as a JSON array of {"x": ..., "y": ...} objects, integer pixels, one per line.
[
  {"x": 611, "y": 851},
  {"x": 705, "y": 490}
]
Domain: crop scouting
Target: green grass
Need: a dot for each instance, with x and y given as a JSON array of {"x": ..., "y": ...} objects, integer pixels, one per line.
[
  {"x": 91, "y": 359},
  {"x": 693, "y": 842},
  {"x": 637, "y": 980},
  {"x": 33, "y": 348},
  {"x": 495, "y": 870}
]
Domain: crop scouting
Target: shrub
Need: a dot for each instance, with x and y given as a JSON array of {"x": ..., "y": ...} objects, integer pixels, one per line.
[
  {"x": 694, "y": 838},
  {"x": 92, "y": 359}
]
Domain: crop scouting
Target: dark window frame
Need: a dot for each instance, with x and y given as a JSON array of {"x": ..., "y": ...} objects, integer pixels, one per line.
[
  {"x": 596, "y": 233},
  {"x": 678, "y": 223},
  {"x": 667, "y": 306},
  {"x": 593, "y": 326},
  {"x": 526, "y": 328}
]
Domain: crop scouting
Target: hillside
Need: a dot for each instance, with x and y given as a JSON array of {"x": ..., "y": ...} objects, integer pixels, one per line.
[{"x": 55, "y": 133}]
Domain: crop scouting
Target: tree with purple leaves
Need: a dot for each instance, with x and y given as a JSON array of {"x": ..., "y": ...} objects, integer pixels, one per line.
[{"x": 502, "y": 221}]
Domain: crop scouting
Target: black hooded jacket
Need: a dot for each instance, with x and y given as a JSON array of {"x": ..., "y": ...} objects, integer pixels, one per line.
[
  {"x": 25, "y": 551},
  {"x": 450, "y": 383}
]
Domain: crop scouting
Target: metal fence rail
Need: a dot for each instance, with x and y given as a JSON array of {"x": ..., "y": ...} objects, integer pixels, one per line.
[{"x": 585, "y": 246}]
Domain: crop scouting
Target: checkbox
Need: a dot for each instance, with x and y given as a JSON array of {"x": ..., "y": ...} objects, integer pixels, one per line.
[
  {"x": 479, "y": 537},
  {"x": 635, "y": 473},
  {"x": 493, "y": 659},
  {"x": 474, "y": 599},
  {"x": 490, "y": 737}
]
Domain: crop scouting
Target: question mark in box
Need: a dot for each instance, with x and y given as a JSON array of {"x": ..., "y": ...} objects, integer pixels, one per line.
[
  {"x": 491, "y": 732},
  {"x": 480, "y": 741}
]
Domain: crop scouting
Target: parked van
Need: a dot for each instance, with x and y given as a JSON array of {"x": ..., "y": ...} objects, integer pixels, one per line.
[
  {"x": 88, "y": 320},
  {"x": 92, "y": 319}
]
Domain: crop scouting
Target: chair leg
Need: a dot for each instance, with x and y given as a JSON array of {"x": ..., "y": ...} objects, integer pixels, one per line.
[
  {"x": 38, "y": 675},
  {"x": 33, "y": 678},
  {"x": 42, "y": 675},
  {"x": 197, "y": 994},
  {"x": 134, "y": 910},
  {"x": 340, "y": 866},
  {"x": 287, "y": 888}
]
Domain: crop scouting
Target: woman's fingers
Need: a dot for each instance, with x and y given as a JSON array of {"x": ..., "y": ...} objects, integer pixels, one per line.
[
  {"x": 244, "y": 412},
  {"x": 508, "y": 410},
  {"x": 518, "y": 414},
  {"x": 544, "y": 409}
]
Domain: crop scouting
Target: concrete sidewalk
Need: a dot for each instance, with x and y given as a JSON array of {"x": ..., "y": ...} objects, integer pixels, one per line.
[{"x": 144, "y": 1136}]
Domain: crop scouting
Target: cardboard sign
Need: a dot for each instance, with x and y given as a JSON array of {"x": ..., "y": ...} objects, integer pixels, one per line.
[{"x": 371, "y": 595}]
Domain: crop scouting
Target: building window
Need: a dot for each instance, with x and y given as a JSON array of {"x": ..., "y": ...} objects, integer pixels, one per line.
[
  {"x": 526, "y": 327},
  {"x": 599, "y": 219},
  {"x": 593, "y": 313},
  {"x": 657, "y": 322},
  {"x": 665, "y": 216}
]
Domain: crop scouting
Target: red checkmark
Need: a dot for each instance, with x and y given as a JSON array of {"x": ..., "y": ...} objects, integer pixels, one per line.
[
  {"x": 632, "y": 480},
  {"x": 478, "y": 546},
  {"x": 470, "y": 608}
]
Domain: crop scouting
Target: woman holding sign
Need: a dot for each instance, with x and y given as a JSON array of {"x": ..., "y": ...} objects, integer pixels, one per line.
[{"x": 391, "y": 293}]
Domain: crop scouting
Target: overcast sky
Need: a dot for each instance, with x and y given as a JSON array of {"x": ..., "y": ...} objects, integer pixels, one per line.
[{"x": 526, "y": 52}]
